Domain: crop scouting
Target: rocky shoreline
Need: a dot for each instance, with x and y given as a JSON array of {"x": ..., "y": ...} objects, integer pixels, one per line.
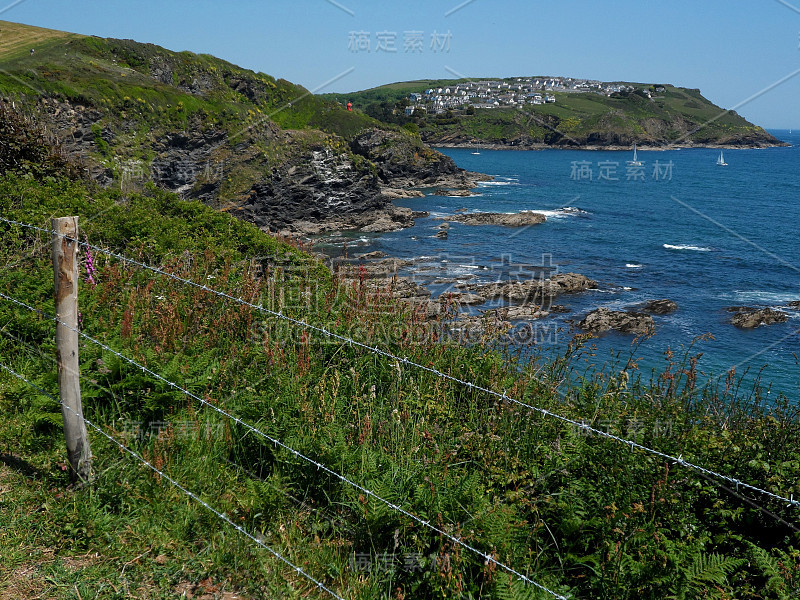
[
  {"x": 468, "y": 310},
  {"x": 519, "y": 219},
  {"x": 512, "y": 145},
  {"x": 381, "y": 215}
]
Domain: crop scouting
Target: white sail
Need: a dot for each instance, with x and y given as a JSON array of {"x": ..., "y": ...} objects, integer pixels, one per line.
[{"x": 635, "y": 162}]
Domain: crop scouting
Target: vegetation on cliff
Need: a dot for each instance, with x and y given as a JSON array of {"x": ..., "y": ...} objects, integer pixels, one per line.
[
  {"x": 654, "y": 115},
  {"x": 580, "y": 514},
  {"x": 131, "y": 113}
]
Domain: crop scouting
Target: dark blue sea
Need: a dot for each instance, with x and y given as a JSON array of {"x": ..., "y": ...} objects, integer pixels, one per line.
[{"x": 681, "y": 227}]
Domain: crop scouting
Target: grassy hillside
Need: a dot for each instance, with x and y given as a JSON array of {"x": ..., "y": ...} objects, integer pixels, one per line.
[
  {"x": 18, "y": 40},
  {"x": 124, "y": 75},
  {"x": 132, "y": 112},
  {"x": 675, "y": 116},
  {"x": 580, "y": 514}
]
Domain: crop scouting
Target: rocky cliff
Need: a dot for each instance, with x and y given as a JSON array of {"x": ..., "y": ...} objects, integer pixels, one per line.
[{"x": 266, "y": 150}]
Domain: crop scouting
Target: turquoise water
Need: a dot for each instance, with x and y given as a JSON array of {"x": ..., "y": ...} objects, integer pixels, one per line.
[{"x": 705, "y": 236}]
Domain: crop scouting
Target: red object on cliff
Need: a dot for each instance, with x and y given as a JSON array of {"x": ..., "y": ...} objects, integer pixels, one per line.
[{"x": 350, "y": 106}]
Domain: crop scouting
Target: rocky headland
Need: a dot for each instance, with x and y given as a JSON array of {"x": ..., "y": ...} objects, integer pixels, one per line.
[{"x": 260, "y": 148}]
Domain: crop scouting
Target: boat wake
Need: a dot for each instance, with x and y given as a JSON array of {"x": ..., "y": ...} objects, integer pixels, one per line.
[{"x": 687, "y": 247}]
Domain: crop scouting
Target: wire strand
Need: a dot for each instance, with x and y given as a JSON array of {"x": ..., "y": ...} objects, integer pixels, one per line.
[
  {"x": 193, "y": 496},
  {"x": 544, "y": 412},
  {"x": 300, "y": 455}
]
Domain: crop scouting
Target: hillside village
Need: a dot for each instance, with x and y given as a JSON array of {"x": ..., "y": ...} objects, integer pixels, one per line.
[{"x": 512, "y": 92}]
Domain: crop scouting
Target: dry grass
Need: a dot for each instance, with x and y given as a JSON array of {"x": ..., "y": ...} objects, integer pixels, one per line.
[{"x": 16, "y": 38}]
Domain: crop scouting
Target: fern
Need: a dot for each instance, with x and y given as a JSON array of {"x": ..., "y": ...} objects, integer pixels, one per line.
[
  {"x": 770, "y": 568},
  {"x": 510, "y": 588},
  {"x": 705, "y": 571}
]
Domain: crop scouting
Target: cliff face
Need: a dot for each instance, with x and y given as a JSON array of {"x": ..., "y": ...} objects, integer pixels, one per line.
[
  {"x": 316, "y": 186},
  {"x": 264, "y": 149},
  {"x": 399, "y": 160}
]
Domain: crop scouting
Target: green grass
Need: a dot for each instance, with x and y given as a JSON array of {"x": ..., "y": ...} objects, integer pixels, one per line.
[
  {"x": 579, "y": 514},
  {"x": 16, "y": 39},
  {"x": 137, "y": 96}
]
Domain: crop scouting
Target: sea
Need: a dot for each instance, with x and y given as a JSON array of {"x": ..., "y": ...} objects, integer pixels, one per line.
[{"x": 679, "y": 226}]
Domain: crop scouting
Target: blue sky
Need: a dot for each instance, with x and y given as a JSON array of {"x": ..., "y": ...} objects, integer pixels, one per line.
[{"x": 732, "y": 50}]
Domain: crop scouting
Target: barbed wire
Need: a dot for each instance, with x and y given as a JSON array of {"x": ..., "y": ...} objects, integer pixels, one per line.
[
  {"x": 300, "y": 455},
  {"x": 193, "y": 496},
  {"x": 679, "y": 460}
]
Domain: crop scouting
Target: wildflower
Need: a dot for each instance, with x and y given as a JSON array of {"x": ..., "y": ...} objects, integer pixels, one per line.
[{"x": 90, "y": 270}]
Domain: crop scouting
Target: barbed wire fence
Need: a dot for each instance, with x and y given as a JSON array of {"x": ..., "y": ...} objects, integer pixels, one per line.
[
  {"x": 404, "y": 361},
  {"x": 719, "y": 479},
  {"x": 178, "y": 486},
  {"x": 279, "y": 444}
]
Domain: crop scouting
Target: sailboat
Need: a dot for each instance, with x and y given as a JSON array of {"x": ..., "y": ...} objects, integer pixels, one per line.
[
  {"x": 635, "y": 162},
  {"x": 721, "y": 160},
  {"x": 475, "y": 149}
]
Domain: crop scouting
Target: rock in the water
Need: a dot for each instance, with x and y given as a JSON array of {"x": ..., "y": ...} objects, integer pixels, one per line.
[
  {"x": 660, "y": 307},
  {"x": 519, "y": 313},
  {"x": 462, "y": 299},
  {"x": 534, "y": 290},
  {"x": 755, "y": 317},
  {"x": 398, "y": 193},
  {"x": 442, "y": 235},
  {"x": 377, "y": 220},
  {"x": 507, "y": 220},
  {"x": 603, "y": 319},
  {"x": 739, "y": 309},
  {"x": 370, "y": 255},
  {"x": 570, "y": 283},
  {"x": 459, "y": 193}
]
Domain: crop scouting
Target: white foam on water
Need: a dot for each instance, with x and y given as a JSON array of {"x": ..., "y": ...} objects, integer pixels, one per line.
[
  {"x": 762, "y": 297},
  {"x": 558, "y": 213},
  {"x": 687, "y": 247}
]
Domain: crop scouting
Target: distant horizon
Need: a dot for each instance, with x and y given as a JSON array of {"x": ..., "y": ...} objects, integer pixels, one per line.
[{"x": 343, "y": 46}]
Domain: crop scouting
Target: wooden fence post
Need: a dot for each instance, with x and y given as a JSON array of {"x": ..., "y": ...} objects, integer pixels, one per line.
[{"x": 65, "y": 267}]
